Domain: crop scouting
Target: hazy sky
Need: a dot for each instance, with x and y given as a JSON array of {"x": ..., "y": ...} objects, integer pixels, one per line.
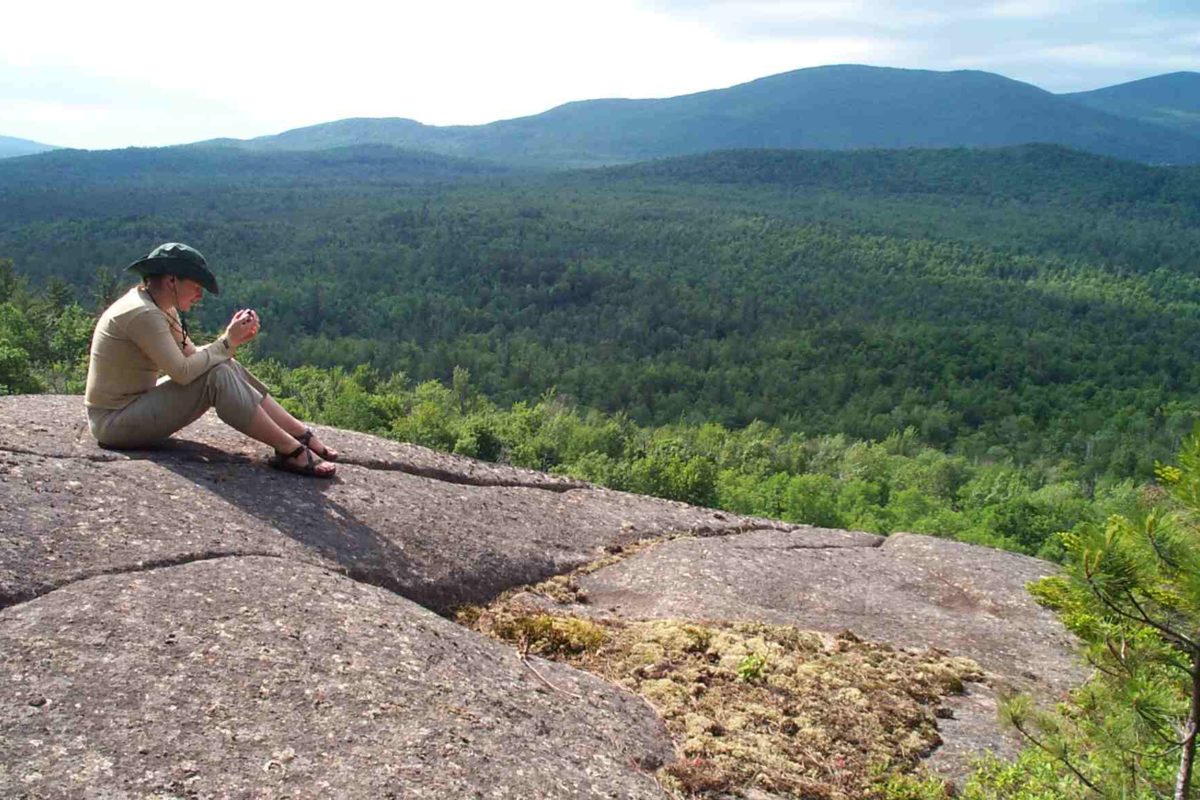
[{"x": 122, "y": 73}]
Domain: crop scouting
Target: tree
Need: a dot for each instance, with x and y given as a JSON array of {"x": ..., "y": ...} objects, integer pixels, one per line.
[
  {"x": 1131, "y": 591},
  {"x": 57, "y": 295},
  {"x": 16, "y": 376},
  {"x": 8, "y": 279},
  {"x": 106, "y": 289}
]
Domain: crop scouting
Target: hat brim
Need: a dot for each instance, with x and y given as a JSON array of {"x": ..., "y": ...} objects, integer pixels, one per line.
[{"x": 178, "y": 267}]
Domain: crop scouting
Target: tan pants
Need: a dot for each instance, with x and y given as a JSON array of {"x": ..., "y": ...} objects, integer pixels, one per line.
[{"x": 229, "y": 387}]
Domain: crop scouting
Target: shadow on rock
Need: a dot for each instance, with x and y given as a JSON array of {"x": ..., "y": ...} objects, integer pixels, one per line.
[{"x": 297, "y": 506}]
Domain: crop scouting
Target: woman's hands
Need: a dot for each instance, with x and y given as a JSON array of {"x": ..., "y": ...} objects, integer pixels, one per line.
[{"x": 243, "y": 327}]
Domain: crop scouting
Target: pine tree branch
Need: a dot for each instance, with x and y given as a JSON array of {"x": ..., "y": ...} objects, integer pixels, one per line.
[
  {"x": 1178, "y": 638},
  {"x": 1141, "y": 616},
  {"x": 1111, "y": 673},
  {"x": 1118, "y": 656},
  {"x": 1059, "y": 756},
  {"x": 1173, "y": 748},
  {"x": 1150, "y": 536},
  {"x": 1159, "y": 729},
  {"x": 1179, "y": 665}
]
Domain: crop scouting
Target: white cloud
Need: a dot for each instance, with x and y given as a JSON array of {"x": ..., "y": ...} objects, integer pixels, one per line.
[
  {"x": 452, "y": 62},
  {"x": 456, "y": 62},
  {"x": 136, "y": 72},
  {"x": 781, "y": 17},
  {"x": 1106, "y": 55},
  {"x": 1026, "y": 9}
]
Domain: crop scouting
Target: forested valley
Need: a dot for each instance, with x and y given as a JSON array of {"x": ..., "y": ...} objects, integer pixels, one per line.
[
  {"x": 998, "y": 346},
  {"x": 983, "y": 344}
]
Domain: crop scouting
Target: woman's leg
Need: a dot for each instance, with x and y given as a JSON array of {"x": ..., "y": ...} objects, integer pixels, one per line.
[
  {"x": 170, "y": 406},
  {"x": 263, "y": 428},
  {"x": 154, "y": 416},
  {"x": 280, "y": 415},
  {"x": 293, "y": 426},
  {"x": 241, "y": 400}
]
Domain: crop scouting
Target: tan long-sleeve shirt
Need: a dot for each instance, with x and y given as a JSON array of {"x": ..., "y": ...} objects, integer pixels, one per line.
[{"x": 134, "y": 342}]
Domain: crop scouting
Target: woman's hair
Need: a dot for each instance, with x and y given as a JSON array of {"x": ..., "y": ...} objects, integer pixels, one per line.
[{"x": 156, "y": 280}]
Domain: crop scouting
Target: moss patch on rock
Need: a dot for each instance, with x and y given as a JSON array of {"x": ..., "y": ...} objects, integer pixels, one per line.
[{"x": 755, "y": 706}]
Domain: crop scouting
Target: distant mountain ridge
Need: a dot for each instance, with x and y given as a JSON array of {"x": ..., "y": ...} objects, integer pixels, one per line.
[
  {"x": 1171, "y": 100},
  {"x": 845, "y": 107},
  {"x": 11, "y": 147}
]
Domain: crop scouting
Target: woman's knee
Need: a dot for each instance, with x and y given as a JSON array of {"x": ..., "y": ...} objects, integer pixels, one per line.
[
  {"x": 221, "y": 379},
  {"x": 223, "y": 370},
  {"x": 234, "y": 398},
  {"x": 221, "y": 383}
]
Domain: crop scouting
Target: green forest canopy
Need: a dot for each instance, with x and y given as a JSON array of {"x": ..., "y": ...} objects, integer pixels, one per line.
[
  {"x": 1025, "y": 303},
  {"x": 1015, "y": 329}
]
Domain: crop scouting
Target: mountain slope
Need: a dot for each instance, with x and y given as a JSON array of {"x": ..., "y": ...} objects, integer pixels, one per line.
[
  {"x": 837, "y": 107},
  {"x": 162, "y": 166},
  {"x": 1035, "y": 173},
  {"x": 1170, "y": 100},
  {"x": 11, "y": 147},
  {"x": 130, "y": 181}
]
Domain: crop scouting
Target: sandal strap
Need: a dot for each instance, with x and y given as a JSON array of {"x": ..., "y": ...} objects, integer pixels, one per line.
[
  {"x": 293, "y": 454},
  {"x": 306, "y": 440}
]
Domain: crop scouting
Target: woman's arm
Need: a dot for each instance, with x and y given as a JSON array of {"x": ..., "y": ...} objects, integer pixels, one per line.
[{"x": 151, "y": 332}]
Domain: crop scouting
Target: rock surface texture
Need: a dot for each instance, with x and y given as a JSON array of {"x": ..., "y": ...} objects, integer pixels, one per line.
[
  {"x": 255, "y": 676},
  {"x": 186, "y": 622},
  {"x": 907, "y": 590}
]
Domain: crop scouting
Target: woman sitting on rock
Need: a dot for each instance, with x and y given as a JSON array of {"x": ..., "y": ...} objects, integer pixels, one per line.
[{"x": 142, "y": 335}]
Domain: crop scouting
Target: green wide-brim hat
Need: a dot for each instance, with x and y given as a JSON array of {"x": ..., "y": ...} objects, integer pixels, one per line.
[{"x": 179, "y": 260}]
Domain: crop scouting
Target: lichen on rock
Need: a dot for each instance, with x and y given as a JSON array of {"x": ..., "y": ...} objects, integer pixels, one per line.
[{"x": 816, "y": 716}]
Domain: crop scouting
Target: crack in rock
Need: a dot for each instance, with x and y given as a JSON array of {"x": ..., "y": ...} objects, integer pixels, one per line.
[
  {"x": 707, "y": 531},
  {"x": 465, "y": 480},
  {"x": 431, "y": 473},
  {"x": 13, "y": 599},
  {"x": 95, "y": 458},
  {"x": 785, "y": 548}
]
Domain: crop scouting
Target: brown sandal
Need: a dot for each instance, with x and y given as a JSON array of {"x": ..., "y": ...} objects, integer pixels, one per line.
[
  {"x": 283, "y": 463},
  {"x": 304, "y": 439}
]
